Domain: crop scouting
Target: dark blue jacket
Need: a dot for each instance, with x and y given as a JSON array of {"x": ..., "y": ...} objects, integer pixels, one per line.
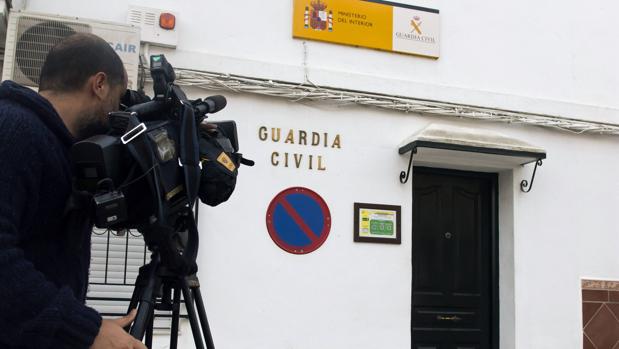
[{"x": 43, "y": 265}]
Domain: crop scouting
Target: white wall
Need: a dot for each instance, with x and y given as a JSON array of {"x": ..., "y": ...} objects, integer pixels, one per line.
[
  {"x": 343, "y": 295},
  {"x": 528, "y": 56},
  {"x": 351, "y": 295}
]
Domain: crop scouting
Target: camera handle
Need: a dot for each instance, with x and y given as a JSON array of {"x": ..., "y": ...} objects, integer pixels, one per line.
[{"x": 189, "y": 146}]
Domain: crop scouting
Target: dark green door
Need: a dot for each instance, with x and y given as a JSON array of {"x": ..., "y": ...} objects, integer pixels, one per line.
[{"x": 452, "y": 290}]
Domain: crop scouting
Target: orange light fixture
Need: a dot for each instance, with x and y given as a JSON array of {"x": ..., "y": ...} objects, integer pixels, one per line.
[{"x": 167, "y": 21}]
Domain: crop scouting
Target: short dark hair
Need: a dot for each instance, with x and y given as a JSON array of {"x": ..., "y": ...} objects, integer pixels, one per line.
[{"x": 73, "y": 60}]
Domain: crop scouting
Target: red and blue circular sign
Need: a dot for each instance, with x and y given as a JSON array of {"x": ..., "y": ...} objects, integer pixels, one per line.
[{"x": 298, "y": 220}]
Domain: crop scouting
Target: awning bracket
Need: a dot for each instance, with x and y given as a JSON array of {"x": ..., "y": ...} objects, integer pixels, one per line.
[
  {"x": 404, "y": 175},
  {"x": 524, "y": 185}
]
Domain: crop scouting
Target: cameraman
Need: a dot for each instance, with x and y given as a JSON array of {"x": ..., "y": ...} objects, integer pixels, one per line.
[{"x": 44, "y": 261}]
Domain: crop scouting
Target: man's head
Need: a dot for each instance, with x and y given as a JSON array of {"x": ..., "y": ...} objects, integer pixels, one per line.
[{"x": 86, "y": 79}]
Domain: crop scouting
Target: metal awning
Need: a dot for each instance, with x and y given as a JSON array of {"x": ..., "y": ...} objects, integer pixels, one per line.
[{"x": 469, "y": 148}]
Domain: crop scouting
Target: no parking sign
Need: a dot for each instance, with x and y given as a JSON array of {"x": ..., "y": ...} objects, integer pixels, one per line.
[{"x": 298, "y": 220}]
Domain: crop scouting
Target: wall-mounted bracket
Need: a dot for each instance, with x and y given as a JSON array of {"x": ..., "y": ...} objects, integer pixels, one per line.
[
  {"x": 404, "y": 175},
  {"x": 524, "y": 185}
]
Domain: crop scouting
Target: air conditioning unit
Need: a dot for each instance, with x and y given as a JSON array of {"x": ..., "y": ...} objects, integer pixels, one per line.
[
  {"x": 4, "y": 13},
  {"x": 30, "y": 36}
]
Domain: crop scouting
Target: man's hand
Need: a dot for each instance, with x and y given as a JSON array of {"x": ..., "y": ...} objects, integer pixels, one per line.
[{"x": 112, "y": 335}]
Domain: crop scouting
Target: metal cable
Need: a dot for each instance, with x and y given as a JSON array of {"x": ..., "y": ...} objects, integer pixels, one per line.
[{"x": 308, "y": 91}]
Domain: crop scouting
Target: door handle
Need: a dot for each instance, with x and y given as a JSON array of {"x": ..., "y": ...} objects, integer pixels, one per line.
[{"x": 448, "y": 318}]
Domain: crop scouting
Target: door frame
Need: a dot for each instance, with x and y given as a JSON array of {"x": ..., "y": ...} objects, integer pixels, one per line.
[{"x": 494, "y": 240}]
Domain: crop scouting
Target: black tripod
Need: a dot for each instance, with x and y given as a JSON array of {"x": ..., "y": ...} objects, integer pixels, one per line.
[{"x": 158, "y": 289}]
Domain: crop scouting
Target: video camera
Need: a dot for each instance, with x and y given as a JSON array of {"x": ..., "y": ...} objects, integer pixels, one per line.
[{"x": 157, "y": 159}]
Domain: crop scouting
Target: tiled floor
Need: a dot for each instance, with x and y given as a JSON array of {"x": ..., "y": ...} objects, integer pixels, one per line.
[{"x": 600, "y": 314}]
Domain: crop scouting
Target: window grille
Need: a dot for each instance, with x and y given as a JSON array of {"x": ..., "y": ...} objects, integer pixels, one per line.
[{"x": 114, "y": 265}]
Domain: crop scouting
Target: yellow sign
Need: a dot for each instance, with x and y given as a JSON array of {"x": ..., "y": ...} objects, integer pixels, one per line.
[{"x": 371, "y": 23}]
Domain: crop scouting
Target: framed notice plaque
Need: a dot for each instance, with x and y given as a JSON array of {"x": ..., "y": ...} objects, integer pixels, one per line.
[{"x": 377, "y": 223}]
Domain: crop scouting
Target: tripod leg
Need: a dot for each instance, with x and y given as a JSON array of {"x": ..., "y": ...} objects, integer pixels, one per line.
[
  {"x": 176, "y": 305},
  {"x": 137, "y": 290},
  {"x": 203, "y": 320},
  {"x": 149, "y": 330},
  {"x": 133, "y": 303},
  {"x": 191, "y": 311},
  {"x": 146, "y": 301}
]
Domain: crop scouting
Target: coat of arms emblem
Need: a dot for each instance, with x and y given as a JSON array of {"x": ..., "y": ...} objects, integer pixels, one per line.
[{"x": 318, "y": 18}]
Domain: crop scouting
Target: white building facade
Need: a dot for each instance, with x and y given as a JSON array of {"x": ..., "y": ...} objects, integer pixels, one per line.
[{"x": 538, "y": 63}]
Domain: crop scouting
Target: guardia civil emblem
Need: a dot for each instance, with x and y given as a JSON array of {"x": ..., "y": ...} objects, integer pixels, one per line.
[{"x": 416, "y": 25}]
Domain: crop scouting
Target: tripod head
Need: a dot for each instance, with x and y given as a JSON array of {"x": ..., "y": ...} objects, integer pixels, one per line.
[{"x": 176, "y": 243}]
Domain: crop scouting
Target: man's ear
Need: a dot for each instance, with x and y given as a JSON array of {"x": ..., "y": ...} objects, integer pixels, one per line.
[{"x": 99, "y": 85}]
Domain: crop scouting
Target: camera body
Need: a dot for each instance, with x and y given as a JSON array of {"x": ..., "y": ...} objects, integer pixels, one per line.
[{"x": 158, "y": 158}]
